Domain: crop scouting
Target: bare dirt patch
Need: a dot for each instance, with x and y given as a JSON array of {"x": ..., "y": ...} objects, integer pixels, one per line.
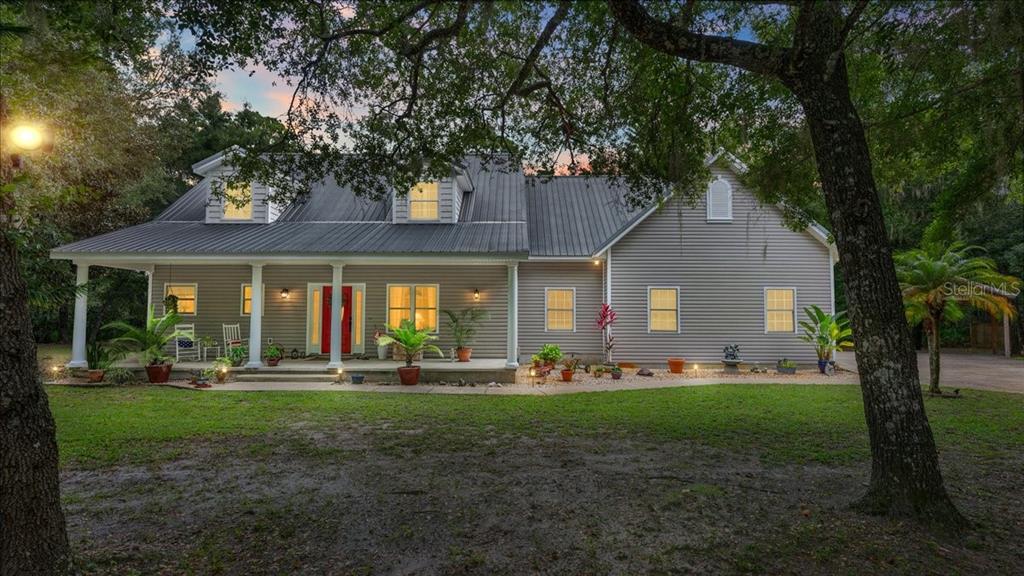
[{"x": 372, "y": 499}]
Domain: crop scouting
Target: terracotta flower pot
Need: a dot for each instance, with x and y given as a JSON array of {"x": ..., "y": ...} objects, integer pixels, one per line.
[
  {"x": 273, "y": 361},
  {"x": 464, "y": 353},
  {"x": 409, "y": 375},
  {"x": 96, "y": 376},
  {"x": 567, "y": 375},
  {"x": 158, "y": 373},
  {"x": 675, "y": 365}
]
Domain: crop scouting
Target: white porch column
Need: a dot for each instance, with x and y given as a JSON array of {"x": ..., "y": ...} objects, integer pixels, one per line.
[
  {"x": 81, "y": 307},
  {"x": 149, "y": 296},
  {"x": 336, "y": 296},
  {"x": 256, "y": 319},
  {"x": 512, "y": 351}
]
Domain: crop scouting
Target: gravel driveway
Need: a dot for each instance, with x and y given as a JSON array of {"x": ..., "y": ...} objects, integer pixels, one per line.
[{"x": 963, "y": 369}]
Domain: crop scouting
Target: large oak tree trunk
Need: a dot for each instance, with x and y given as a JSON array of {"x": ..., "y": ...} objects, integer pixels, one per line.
[
  {"x": 905, "y": 475},
  {"x": 34, "y": 537}
]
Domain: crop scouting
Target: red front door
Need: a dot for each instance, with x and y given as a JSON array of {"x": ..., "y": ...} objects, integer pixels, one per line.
[{"x": 346, "y": 320}]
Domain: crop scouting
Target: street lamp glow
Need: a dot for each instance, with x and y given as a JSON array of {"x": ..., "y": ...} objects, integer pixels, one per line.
[{"x": 27, "y": 137}]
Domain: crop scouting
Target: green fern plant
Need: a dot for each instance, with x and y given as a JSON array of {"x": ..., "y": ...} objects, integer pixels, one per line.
[{"x": 411, "y": 340}]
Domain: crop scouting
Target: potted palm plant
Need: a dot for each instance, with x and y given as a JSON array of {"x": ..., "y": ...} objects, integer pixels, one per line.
[
  {"x": 150, "y": 341},
  {"x": 412, "y": 342},
  {"x": 463, "y": 326},
  {"x": 827, "y": 332},
  {"x": 273, "y": 354},
  {"x": 99, "y": 358}
]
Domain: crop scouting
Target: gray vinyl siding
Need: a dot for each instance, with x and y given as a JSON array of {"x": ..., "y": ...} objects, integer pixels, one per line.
[
  {"x": 534, "y": 278},
  {"x": 284, "y": 320},
  {"x": 447, "y": 210},
  {"x": 721, "y": 269}
]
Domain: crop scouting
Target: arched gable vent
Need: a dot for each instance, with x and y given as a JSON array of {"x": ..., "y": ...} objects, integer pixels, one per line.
[{"x": 719, "y": 200}]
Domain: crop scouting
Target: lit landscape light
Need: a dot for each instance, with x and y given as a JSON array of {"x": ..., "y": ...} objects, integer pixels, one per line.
[{"x": 26, "y": 137}]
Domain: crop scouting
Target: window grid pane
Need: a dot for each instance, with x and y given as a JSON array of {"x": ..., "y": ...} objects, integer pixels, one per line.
[
  {"x": 186, "y": 294},
  {"x": 233, "y": 212},
  {"x": 418, "y": 303},
  {"x": 423, "y": 201},
  {"x": 779, "y": 307},
  {"x": 560, "y": 309},
  {"x": 247, "y": 299},
  {"x": 663, "y": 310}
]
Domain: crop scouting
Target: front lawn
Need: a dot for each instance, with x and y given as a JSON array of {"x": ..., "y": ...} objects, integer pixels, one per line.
[{"x": 731, "y": 478}]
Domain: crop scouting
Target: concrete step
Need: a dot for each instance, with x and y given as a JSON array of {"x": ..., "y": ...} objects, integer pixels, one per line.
[
  {"x": 257, "y": 376},
  {"x": 375, "y": 375}
]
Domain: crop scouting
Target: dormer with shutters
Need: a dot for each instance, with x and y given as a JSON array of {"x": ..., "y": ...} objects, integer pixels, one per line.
[
  {"x": 251, "y": 207},
  {"x": 436, "y": 202}
]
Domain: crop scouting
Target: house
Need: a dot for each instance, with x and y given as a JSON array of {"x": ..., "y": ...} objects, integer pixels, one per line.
[{"x": 540, "y": 254}]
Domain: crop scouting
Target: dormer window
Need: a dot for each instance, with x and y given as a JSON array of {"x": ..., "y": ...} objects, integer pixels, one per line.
[
  {"x": 720, "y": 200},
  {"x": 233, "y": 196},
  {"x": 424, "y": 203}
]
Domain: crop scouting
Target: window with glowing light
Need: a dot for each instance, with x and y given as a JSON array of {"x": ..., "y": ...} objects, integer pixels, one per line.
[
  {"x": 416, "y": 302},
  {"x": 247, "y": 299},
  {"x": 663, "y": 309},
  {"x": 423, "y": 201},
  {"x": 560, "y": 306},
  {"x": 186, "y": 295},
  {"x": 779, "y": 310},
  {"x": 242, "y": 194}
]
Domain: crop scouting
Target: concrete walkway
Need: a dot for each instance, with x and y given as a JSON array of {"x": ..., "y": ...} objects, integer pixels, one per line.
[
  {"x": 980, "y": 371},
  {"x": 965, "y": 369},
  {"x": 551, "y": 388}
]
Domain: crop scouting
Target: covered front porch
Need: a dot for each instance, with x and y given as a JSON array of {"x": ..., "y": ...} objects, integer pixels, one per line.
[{"x": 296, "y": 312}]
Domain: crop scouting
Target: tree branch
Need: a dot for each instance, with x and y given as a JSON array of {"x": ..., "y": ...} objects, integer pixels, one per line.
[
  {"x": 851, "y": 20},
  {"x": 440, "y": 33},
  {"x": 538, "y": 47},
  {"x": 675, "y": 41}
]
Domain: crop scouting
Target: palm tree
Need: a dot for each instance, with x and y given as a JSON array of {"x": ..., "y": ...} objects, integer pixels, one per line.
[
  {"x": 940, "y": 280},
  {"x": 149, "y": 340}
]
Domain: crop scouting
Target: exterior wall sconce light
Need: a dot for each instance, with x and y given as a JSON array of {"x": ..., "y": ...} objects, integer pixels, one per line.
[
  {"x": 284, "y": 293},
  {"x": 476, "y": 295},
  {"x": 597, "y": 262}
]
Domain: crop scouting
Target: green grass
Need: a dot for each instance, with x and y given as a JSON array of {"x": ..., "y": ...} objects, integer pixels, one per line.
[{"x": 780, "y": 423}]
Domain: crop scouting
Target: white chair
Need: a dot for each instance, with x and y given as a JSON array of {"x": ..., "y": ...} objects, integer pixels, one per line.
[
  {"x": 185, "y": 345},
  {"x": 233, "y": 337}
]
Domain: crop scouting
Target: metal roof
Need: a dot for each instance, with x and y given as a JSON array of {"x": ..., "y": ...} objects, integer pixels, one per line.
[
  {"x": 506, "y": 213},
  {"x": 328, "y": 201},
  {"x": 314, "y": 238},
  {"x": 574, "y": 216}
]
